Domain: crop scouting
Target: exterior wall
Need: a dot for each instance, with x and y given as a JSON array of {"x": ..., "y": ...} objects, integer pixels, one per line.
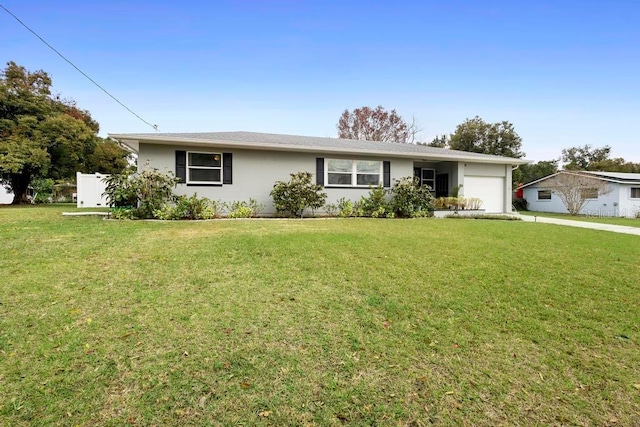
[
  {"x": 627, "y": 206},
  {"x": 617, "y": 203},
  {"x": 255, "y": 172}
]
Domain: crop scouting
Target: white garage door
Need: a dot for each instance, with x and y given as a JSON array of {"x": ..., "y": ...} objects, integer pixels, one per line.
[{"x": 489, "y": 189}]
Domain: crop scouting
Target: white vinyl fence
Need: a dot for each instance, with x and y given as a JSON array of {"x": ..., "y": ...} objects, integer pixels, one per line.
[{"x": 90, "y": 190}]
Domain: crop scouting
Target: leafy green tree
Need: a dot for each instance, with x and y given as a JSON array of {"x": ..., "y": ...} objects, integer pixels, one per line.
[
  {"x": 596, "y": 159},
  {"x": 581, "y": 158},
  {"x": 477, "y": 136},
  {"x": 40, "y": 135},
  {"x": 534, "y": 171},
  {"x": 108, "y": 157},
  {"x": 440, "y": 141}
]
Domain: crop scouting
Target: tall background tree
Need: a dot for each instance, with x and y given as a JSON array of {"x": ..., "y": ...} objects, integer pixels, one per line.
[
  {"x": 477, "y": 136},
  {"x": 591, "y": 158},
  {"x": 534, "y": 171},
  {"x": 366, "y": 123},
  {"x": 42, "y": 135}
]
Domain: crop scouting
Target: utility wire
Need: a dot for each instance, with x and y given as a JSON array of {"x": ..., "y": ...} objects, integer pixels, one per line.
[{"x": 155, "y": 127}]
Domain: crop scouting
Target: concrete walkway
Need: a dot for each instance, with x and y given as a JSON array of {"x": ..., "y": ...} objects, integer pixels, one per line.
[{"x": 583, "y": 224}]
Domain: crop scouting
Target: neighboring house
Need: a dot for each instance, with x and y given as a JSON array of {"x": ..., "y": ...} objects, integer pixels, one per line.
[
  {"x": 622, "y": 201},
  {"x": 232, "y": 166}
]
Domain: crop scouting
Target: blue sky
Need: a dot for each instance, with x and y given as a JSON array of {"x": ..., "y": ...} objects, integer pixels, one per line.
[{"x": 565, "y": 73}]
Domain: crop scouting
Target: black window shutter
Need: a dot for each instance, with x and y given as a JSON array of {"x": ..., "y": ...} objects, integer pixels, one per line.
[
  {"x": 386, "y": 174},
  {"x": 320, "y": 171},
  {"x": 181, "y": 165},
  {"x": 227, "y": 168}
]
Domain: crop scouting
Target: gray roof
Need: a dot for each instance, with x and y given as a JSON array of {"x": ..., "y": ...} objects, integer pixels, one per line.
[
  {"x": 277, "y": 142},
  {"x": 619, "y": 177}
]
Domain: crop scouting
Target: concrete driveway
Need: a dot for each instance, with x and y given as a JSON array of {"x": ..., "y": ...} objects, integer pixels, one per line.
[{"x": 583, "y": 224}]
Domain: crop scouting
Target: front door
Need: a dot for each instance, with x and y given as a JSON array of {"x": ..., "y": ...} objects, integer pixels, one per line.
[{"x": 442, "y": 185}]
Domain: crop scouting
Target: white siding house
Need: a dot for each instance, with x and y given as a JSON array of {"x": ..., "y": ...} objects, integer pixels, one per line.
[
  {"x": 230, "y": 166},
  {"x": 622, "y": 201}
]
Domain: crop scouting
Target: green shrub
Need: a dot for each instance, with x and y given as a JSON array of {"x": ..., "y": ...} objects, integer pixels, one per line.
[
  {"x": 120, "y": 189},
  {"x": 122, "y": 213},
  {"x": 410, "y": 199},
  {"x": 520, "y": 204},
  {"x": 331, "y": 209},
  {"x": 345, "y": 208},
  {"x": 299, "y": 193},
  {"x": 189, "y": 207},
  {"x": 375, "y": 204},
  {"x": 241, "y": 212},
  {"x": 43, "y": 189},
  {"x": 146, "y": 192},
  {"x": 243, "y": 209}
]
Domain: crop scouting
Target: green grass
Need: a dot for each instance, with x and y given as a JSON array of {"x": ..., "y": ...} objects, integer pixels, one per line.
[
  {"x": 629, "y": 222},
  {"x": 315, "y": 322}
]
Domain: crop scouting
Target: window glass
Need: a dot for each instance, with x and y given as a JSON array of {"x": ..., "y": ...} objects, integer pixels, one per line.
[
  {"x": 336, "y": 165},
  {"x": 544, "y": 194},
  {"x": 635, "y": 192},
  {"x": 339, "y": 179},
  {"x": 204, "y": 159},
  {"x": 368, "y": 179},
  {"x": 366, "y": 166},
  {"x": 204, "y": 175},
  {"x": 589, "y": 193}
]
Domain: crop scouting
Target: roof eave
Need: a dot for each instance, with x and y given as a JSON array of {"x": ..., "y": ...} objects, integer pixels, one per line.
[{"x": 134, "y": 144}]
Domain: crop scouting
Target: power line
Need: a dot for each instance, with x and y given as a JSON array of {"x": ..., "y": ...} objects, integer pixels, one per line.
[{"x": 155, "y": 127}]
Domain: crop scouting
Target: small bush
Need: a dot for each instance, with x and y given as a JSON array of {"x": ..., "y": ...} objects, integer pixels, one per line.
[
  {"x": 410, "y": 199},
  {"x": 240, "y": 212},
  {"x": 190, "y": 207},
  {"x": 375, "y": 205},
  {"x": 248, "y": 209},
  {"x": 122, "y": 213},
  {"x": 331, "y": 209},
  {"x": 299, "y": 193},
  {"x": 345, "y": 208},
  {"x": 43, "y": 189},
  {"x": 146, "y": 192},
  {"x": 520, "y": 204},
  {"x": 474, "y": 203}
]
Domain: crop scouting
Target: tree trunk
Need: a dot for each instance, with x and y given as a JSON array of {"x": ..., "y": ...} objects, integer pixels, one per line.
[{"x": 20, "y": 186}]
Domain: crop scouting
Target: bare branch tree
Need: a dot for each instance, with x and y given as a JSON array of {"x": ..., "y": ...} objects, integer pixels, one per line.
[
  {"x": 575, "y": 189},
  {"x": 413, "y": 129},
  {"x": 377, "y": 124}
]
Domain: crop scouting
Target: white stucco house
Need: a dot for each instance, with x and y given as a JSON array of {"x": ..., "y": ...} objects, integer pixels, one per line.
[
  {"x": 231, "y": 166},
  {"x": 622, "y": 201}
]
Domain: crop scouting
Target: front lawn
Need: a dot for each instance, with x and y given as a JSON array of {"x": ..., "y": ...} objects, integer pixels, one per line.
[
  {"x": 629, "y": 222},
  {"x": 316, "y": 322}
]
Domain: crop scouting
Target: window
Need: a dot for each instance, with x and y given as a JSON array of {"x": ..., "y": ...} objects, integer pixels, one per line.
[
  {"x": 635, "y": 192},
  {"x": 428, "y": 177},
  {"x": 353, "y": 173},
  {"x": 544, "y": 194},
  {"x": 589, "y": 193},
  {"x": 204, "y": 168}
]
